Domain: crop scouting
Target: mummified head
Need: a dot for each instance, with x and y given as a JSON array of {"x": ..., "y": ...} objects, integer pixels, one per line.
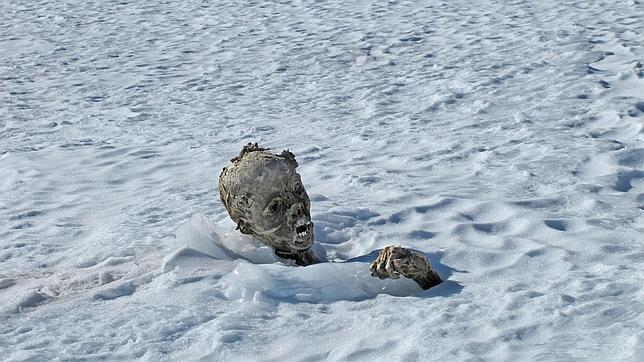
[{"x": 264, "y": 196}]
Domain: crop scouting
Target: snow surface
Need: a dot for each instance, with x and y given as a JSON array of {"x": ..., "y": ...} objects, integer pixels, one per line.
[{"x": 502, "y": 138}]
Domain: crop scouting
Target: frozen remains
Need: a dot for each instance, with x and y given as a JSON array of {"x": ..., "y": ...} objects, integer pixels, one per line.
[{"x": 265, "y": 197}]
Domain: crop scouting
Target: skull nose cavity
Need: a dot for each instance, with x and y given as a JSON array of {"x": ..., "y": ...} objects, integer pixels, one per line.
[{"x": 296, "y": 210}]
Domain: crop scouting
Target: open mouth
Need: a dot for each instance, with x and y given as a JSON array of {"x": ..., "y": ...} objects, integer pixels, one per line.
[
  {"x": 301, "y": 231},
  {"x": 302, "y": 239}
]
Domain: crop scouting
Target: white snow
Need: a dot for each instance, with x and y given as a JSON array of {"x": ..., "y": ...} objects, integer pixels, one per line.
[{"x": 502, "y": 138}]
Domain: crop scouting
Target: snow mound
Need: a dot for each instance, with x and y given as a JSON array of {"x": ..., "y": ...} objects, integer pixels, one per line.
[
  {"x": 319, "y": 283},
  {"x": 259, "y": 275}
]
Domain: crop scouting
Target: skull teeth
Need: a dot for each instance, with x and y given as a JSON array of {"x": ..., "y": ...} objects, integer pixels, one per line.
[{"x": 301, "y": 230}]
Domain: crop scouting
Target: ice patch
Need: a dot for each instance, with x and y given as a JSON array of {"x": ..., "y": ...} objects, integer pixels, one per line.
[
  {"x": 259, "y": 274},
  {"x": 220, "y": 243},
  {"x": 319, "y": 283},
  {"x": 122, "y": 290}
]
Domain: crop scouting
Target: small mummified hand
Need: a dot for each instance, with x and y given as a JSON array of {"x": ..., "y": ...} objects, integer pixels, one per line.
[{"x": 395, "y": 261}]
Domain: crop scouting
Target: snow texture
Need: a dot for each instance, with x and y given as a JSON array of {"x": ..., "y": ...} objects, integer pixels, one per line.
[{"x": 502, "y": 138}]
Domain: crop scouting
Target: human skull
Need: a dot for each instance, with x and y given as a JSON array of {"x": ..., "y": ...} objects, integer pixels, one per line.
[{"x": 264, "y": 196}]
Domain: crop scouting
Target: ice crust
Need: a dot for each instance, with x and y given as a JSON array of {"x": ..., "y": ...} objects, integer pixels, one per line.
[
  {"x": 253, "y": 278},
  {"x": 502, "y": 138}
]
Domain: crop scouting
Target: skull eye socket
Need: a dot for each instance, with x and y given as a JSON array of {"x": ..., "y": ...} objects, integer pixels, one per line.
[{"x": 276, "y": 206}]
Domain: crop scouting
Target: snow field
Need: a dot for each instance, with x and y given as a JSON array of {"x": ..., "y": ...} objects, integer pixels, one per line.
[{"x": 504, "y": 139}]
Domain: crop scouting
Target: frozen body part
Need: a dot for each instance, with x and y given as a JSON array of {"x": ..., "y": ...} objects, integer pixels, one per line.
[
  {"x": 395, "y": 261},
  {"x": 265, "y": 197}
]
